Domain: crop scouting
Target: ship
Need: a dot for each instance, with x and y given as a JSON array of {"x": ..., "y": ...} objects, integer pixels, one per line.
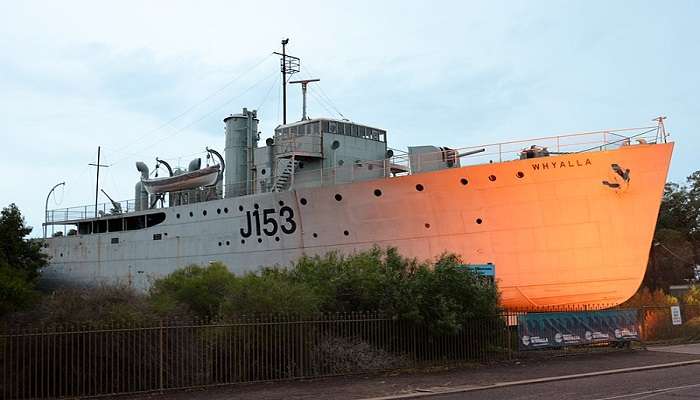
[{"x": 560, "y": 221}]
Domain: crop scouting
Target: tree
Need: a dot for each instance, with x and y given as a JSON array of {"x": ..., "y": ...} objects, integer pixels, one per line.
[
  {"x": 20, "y": 261},
  {"x": 676, "y": 248}
]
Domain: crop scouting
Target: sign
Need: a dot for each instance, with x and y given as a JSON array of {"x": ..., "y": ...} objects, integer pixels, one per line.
[
  {"x": 676, "y": 315},
  {"x": 560, "y": 329},
  {"x": 481, "y": 269}
]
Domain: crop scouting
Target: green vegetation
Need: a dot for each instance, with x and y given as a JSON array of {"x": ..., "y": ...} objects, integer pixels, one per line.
[
  {"x": 20, "y": 261},
  {"x": 439, "y": 295},
  {"x": 677, "y": 237}
]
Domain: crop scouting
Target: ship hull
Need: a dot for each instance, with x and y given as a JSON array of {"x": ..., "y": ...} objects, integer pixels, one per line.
[{"x": 557, "y": 235}]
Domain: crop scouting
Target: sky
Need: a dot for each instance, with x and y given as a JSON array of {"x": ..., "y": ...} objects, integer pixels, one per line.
[{"x": 155, "y": 79}]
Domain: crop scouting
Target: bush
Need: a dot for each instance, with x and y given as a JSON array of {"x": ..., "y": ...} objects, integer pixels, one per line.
[
  {"x": 92, "y": 306},
  {"x": 268, "y": 293},
  {"x": 198, "y": 290},
  {"x": 648, "y": 298},
  {"x": 441, "y": 295}
]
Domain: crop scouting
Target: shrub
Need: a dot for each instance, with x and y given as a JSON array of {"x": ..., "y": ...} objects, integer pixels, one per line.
[
  {"x": 199, "y": 290},
  {"x": 93, "y": 306},
  {"x": 441, "y": 295},
  {"x": 268, "y": 293}
]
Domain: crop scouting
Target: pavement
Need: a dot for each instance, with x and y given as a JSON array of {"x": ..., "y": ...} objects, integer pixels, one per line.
[{"x": 658, "y": 372}]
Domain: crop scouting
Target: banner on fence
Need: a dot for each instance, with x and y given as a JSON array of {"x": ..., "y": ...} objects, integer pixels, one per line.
[{"x": 542, "y": 330}]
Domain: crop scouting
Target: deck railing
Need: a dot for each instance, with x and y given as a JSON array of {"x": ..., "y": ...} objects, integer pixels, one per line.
[{"x": 400, "y": 161}]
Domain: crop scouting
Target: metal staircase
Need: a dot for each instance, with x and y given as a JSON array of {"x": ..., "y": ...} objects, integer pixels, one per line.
[{"x": 287, "y": 167}]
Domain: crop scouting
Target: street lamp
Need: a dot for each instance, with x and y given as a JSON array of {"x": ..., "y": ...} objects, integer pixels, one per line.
[{"x": 46, "y": 207}]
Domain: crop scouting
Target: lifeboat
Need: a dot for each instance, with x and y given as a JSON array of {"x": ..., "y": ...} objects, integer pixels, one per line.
[{"x": 188, "y": 180}]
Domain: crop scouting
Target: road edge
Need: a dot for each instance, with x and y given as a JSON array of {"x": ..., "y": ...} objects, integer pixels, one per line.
[{"x": 471, "y": 388}]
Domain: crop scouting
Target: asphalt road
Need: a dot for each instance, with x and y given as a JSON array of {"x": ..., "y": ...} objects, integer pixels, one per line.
[{"x": 661, "y": 384}]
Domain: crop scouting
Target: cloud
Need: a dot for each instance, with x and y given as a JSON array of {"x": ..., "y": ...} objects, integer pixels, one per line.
[{"x": 75, "y": 75}]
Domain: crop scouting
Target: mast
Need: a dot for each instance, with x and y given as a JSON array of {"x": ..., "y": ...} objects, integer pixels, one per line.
[
  {"x": 304, "y": 83},
  {"x": 288, "y": 65},
  {"x": 284, "y": 81},
  {"x": 97, "y": 180}
]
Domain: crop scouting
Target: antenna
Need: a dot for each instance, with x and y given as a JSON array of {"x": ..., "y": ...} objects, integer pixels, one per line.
[
  {"x": 660, "y": 129},
  {"x": 288, "y": 65},
  {"x": 304, "y": 82}
]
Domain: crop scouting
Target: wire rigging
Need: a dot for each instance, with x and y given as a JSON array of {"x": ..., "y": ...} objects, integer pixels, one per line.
[
  {"x": 216, "y": 109},
  {"x": 197, "y": 104}
]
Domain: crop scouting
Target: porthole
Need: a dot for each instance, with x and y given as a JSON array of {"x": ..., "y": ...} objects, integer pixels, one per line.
[
  {"x": 219, "y": 244},
  {"x": 228, "y": 243},
  {"x": 277, "y": 238},
  {"x": 315, "y": 235},
  {"x": 240, "y": 208},
  {"x": 177, "y": 215},
  {"x": 303, "y": 201},
  {"x": 259, "y": 240},
  {"x": 61, "y": 254},
  {"x": 191, "y": 214},
  {"x": 263, "y": 171},
  {"x": 492, "y": 178},
  {"x": 419, "y": 187},
  {"x": 427, "y": 225},
  {"x": 464, "y": 181},
  {"x": 346, "y": 233},
  {"x": 242, "y": 241},
  {"x": 520, "y": 174},
  {"x": 281, "y": 203},
  {"x": 341, "y": 162},
  {"x": 338, "y": 197},
  {"x": 256, "y": 206},
  {"x": 225, "y": 210},
  {"x": 204, "y": 212},
  {"x": 218, "y": 211},
  {"x": 479, "y": 221},
  {"x": 377, "y": 192}
]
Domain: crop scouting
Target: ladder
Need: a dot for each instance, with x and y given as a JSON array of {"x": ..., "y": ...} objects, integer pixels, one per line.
[{"x": 283, "y": 180}]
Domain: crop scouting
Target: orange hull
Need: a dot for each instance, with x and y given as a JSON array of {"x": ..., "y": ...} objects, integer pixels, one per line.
[{"x": 557, "y": 235}]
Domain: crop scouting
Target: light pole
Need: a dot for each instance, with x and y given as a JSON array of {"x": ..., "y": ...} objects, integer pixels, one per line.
[{"x": 46, "y": 207}]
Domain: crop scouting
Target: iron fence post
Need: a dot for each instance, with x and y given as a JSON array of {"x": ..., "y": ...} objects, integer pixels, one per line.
[{"x": 160, "y": 354}]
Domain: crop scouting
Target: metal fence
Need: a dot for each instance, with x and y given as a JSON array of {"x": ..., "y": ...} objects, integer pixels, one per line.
[
  {"x": 93, "y": 359},
  {"x": 61, "y": 361}
]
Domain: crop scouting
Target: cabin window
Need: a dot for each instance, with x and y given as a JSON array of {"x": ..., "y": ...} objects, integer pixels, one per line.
[
  {"x": 313, "y": 128},
  {"x": 99, "y": 226},
  {"x": 154, "y": 219},
  {"x": 332, "y": 127},
  {"x": 115, "y": 241},
  {"x": 115, "y": 224},
  {"x": 324, "y": 126},
  {"x": 157, "y": 236},
  {"x": 134, "y": 223},
  {"x": 84, "y": 228}
]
